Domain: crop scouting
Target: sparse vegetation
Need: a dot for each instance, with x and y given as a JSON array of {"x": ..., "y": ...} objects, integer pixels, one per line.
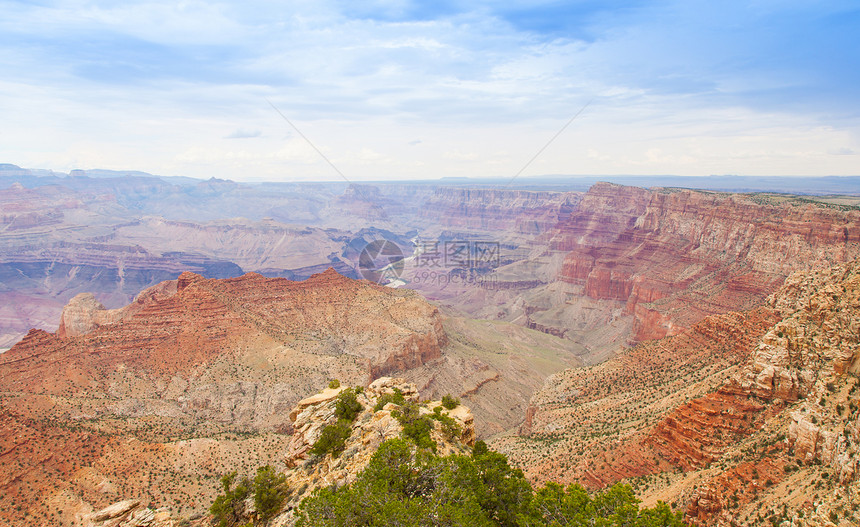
[{"x": 396, "y": 398}]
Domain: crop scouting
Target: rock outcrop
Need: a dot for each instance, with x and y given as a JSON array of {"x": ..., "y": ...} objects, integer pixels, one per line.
[
  {"x": 369, "y": 429},
  {"x": 130, "y": 513}
]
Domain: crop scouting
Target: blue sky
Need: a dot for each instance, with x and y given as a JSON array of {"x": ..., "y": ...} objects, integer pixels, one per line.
[{"x": 399, "y": 89}]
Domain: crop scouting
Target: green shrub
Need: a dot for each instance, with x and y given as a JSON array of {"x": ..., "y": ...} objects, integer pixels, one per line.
[
  {"x": 334, "y": 384},
  {"x": 450, "y": 428},
  {"x": 333, "y": 439},
  {"x": 270, "y": 491},
  {"x": 403, "y": 485},
  {"x": 450, "y": 402},
  {"x": 268, "y": 488},
  {"x": 347, "y": 406},
  {"x": 415, "y": 427},
  {"x": 228, "y": 508},
  {"x": 396, "y": 398}
]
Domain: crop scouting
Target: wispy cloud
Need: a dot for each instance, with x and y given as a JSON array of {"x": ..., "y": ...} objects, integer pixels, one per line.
[
  {"x": 142, "y": 84},
  {"x": 244, "y": 134}
]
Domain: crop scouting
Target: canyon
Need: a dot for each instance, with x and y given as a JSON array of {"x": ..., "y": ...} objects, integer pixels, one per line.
[
  {"x": 605, "y": 268},
  {"x": 143, "y": 401},
  {"x": 698, "y": 345}
]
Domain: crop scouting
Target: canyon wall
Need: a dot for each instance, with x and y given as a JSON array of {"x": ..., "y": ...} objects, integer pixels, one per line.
[
  {"x": 500, "y": 211},
  {"x": 670, "y": 257},
  {"x": 744, "y": 417}
]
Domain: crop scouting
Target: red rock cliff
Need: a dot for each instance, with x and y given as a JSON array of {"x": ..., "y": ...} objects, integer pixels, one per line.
[
  {"x": 167, "y": 334},
  {"x": 675, "y": 256}
]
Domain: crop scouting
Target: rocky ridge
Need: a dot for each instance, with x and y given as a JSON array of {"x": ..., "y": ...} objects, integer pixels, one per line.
[
  {"x": 184, "y": 346},
  {"x": 369, "y": 430},
  {"x": 196, "y": 377},
  {"x": 744, "y": 418}
]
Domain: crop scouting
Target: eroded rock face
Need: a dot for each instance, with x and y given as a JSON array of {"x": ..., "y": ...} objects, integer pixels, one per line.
[
  {"x": 816, "y": 339},
  {"x": 84, "y": 313},
  {"x": 626, "y": 418},
  {"x": 498, "y": 210},
  {"x": 238, "y": 351},
  {"x": 672, "y": 257},
  {"x": 741, "y": 414}
]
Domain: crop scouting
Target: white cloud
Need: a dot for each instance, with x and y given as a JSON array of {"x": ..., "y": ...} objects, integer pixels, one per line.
[{"x": 158, "y": 86}]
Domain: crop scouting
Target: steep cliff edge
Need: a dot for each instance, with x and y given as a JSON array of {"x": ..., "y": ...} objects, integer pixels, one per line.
[
  {"x": 743, "y": 418},
  {"x": 668, "y": 257}
]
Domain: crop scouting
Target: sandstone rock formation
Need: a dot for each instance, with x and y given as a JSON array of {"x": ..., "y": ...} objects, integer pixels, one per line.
[
  {"x": 744, "y": 418},
  {"x": 671, "y": 257},
  {"x": 130, "y": 513},
  {"x": 369, "y": 430},
  {"x": 185, "y": 347}
]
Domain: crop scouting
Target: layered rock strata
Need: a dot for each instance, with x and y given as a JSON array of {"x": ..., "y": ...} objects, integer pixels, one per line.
[
  {"x": 738, "y": 420},
  {"x": 188, "y": 346},
  {"x": 671, "y": 257}
]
